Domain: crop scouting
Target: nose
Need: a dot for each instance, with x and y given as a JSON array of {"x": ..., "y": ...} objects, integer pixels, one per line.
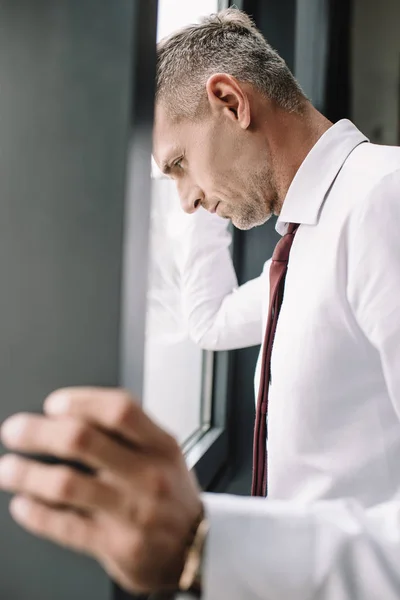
[
  {"x": 190, "y": 206},
  {"x": 191, "y": 198}
]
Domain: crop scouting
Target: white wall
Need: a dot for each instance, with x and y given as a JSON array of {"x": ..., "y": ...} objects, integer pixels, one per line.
[{"x": 376, "y": 68}]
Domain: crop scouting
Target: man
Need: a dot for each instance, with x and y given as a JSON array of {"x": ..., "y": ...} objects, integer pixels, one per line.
[{"x": 236, "y": 133}]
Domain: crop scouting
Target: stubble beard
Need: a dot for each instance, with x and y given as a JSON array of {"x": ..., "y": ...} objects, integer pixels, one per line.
[{"x": 256, "y": 211}]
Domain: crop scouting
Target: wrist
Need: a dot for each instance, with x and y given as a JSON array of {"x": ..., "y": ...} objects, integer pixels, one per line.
[{"x": 191, "y": 577}]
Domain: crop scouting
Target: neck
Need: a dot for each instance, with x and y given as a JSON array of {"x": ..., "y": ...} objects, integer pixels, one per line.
[{"x": 290, "y": 139}]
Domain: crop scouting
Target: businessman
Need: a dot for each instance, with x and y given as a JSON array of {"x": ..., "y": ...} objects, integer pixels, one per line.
[{"x": 236, "y": 133}]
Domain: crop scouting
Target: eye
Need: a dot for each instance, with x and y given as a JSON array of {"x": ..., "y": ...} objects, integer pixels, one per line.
[{"x": 178, "y": 163}]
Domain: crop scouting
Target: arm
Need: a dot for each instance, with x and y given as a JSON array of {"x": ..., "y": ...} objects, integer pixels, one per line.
[
  {"x": 219, "y": 314},
  {"x": 256, "y": 549},
  {"x": 374, "y": 276},
  {"x": 261, "y": 550}
]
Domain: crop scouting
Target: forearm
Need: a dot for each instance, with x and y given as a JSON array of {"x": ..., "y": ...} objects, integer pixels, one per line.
[
  {"x": 219, "y": 314},
  {"x": 261, "y": 550},
  {"x": 235, "y": 321}
]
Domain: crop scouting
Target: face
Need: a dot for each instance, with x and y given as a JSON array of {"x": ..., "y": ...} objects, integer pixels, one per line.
[{"x": 219, "y": 163}]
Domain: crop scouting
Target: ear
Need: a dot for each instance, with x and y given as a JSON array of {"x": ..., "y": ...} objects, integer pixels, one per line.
[{"x": 227, "y": 96}]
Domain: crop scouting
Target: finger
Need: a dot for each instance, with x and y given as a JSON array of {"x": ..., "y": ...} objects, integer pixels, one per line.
[
  {"x": 113, "y": 410},
  {"x": 67, "y": 438},
  {"x": 66, "y": 528},
  {"x": 57, "y": 485}
]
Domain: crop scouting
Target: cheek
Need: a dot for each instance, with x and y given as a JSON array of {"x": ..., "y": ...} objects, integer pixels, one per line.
[
  {"x": 214, "y": 165},
  {"x": 205, "y": 174}
]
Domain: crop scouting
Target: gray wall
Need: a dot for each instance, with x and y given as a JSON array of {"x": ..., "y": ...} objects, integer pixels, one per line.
[
  {"x": 65, "y": 72},
  {"x": 311, "y": 52},
  {"x": 376, "y": 69}
]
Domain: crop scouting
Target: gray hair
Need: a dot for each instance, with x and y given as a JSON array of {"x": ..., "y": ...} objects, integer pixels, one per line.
[{"x": 225, "y": 42}]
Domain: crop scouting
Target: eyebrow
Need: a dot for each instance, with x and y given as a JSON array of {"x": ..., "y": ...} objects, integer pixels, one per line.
[{"x": 166, "y": 167}]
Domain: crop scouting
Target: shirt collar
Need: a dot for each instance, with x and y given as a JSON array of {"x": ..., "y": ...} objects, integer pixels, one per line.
[{"x": 316, "y": 174}]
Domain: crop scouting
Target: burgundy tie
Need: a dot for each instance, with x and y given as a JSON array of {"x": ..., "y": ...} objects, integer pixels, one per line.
[{"x": 277, "y": 276}]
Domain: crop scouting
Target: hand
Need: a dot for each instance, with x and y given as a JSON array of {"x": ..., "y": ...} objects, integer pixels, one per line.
[{"x": 135, "y": 515}]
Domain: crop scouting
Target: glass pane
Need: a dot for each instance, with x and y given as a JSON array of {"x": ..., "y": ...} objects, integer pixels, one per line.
[
  {"x": 177, "y": 372},
  {"x": 173, "y": 14}
]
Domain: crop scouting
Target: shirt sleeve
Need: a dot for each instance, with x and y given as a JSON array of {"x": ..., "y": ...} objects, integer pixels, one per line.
[
  {"x": 374, "y": 276},
  {"x": 219, "y": 314},
  {"x": 269, "y": 550}
]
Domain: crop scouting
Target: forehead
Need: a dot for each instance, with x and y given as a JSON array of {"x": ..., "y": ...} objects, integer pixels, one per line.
[{"x": 168, "y": 136}]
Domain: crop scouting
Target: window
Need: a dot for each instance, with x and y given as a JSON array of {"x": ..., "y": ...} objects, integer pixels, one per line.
[
  {"x": 173, "y": 390},
  {"x": 173, "y": 14},
  {"x": 178, "y": 375}
]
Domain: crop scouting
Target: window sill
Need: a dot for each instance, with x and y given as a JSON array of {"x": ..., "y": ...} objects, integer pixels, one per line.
[{"x": 207, "y": 455}]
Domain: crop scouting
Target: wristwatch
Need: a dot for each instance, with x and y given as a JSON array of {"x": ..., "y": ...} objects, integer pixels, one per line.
[{"x": 191, "y": 579}]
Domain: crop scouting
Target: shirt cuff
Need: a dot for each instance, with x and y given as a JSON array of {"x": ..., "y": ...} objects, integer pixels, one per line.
[{"x": 256, "y": 550}]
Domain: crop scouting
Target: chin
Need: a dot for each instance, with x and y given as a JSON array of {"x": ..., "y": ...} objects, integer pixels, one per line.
[
  {"x": 242, "y": 226},
  {"x": 245, "y": 224}
]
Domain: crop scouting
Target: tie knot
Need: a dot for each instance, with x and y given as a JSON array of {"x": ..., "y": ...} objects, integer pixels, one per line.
[{"x": 282, "y": 249}]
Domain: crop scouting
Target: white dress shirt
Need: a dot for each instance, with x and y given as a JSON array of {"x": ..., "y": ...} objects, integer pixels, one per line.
[
  {"x": 219, "y": 314},
  {"x": 333, "y": 424}
]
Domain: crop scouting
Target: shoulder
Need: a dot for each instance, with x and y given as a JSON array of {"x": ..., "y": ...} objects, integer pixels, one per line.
[
  {"x": 367, "y": 184},
  {"x": 380, "y": 204},
  {"x": 373, "y": 228}
]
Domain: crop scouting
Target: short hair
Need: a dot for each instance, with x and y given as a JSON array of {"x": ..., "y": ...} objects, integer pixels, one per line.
[{"x": 225, "y": 42}]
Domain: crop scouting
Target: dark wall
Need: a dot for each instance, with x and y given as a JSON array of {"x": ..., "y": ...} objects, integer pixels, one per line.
[
  {"x": 65, "y": 80},
  {"x": 338, "y": 82}
]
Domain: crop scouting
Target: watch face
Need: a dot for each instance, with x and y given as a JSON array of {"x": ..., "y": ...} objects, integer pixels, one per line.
[
  {"x": 195, "y": 590},
  {"x": 162, "y": 596}
]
